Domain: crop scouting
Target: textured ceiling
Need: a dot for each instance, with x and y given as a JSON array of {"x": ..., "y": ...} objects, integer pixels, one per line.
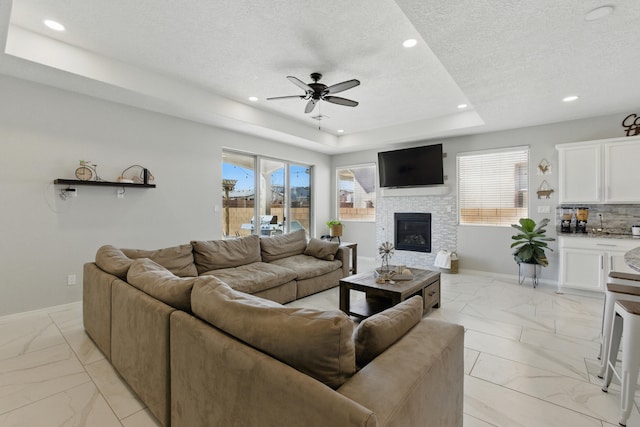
[{"x": 511, "y": 61}]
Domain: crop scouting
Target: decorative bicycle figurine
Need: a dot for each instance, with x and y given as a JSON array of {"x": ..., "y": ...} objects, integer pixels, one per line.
[{"x": 87, "y": 171}]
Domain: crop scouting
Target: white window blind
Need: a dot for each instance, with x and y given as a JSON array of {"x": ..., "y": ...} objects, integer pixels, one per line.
[{"x": 493, "y": 186}]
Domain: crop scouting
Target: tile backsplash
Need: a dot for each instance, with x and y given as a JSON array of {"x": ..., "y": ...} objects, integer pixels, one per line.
[{"x": 616, "y": 219}]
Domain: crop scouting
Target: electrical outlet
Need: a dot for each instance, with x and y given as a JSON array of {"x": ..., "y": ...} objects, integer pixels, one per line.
[
  {"x": 544, "y": 209},
  {"x": 120, "y": 193},
  {"x": 71, "y": 280}
]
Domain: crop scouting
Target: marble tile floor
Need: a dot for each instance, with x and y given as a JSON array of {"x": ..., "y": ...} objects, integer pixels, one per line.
[{"x": 530, "y": 360}]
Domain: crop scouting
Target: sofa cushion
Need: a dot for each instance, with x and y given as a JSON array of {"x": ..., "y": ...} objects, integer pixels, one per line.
[
  {"x": 377, "y": 333},
  {"x": 216, "y": 254},
  {"x": 254, "y": 277},
  {"x": 317, "y": 343},
  {"x": 113, "y": 261},
  {"x": 155, "y": 280},
  {"x": 307, "y": 266},
  {"x": 282, "y": 246},
  {"x": 176, "y": 259},
  {"x": 322, "y": 249}
]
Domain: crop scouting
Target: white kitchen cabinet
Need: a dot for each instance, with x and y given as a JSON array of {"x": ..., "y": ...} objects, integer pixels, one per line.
[
  {"x": 585, "y": 262},
  {"x": 603, "y": 171},
  {"x": 622, "y": 174}
]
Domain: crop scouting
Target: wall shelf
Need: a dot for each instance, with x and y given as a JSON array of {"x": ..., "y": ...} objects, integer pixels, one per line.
[{"x": 62, "y": 181}]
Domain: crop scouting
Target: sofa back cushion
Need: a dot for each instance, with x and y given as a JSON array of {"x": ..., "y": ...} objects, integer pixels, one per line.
[
  {"x": 176, "y": 259},
  {"x": 283, "y": 246},
  {"x": 216, "y": 254},
  {"x": 155, "y": 280},
  {"x": 317, "y": 343},
  {"x": 322, "y": 249},
  {"x": 377, "y": 333},
  {"x": 113, "y": 261}
]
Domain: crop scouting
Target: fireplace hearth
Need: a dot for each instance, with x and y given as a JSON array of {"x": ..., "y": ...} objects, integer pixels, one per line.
[{"x": 412, "y": 231}]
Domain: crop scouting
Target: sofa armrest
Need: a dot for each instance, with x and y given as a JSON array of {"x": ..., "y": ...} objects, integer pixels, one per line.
[
  {"x": 140, "y": 346},
  {"x": 344, "y": 255},
  {"x": 96, "y": 306},
  {"x": 421, "y": 377},
  {"x": 217, "y": 380}
]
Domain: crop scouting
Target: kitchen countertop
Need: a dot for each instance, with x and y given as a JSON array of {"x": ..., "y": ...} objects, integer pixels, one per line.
[
  {"x": 601, "y": 235},
  {"x": 632, "y": 258}
]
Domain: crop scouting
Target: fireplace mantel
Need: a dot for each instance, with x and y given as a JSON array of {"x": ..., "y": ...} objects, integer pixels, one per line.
[{"x": 436, "y": 190}]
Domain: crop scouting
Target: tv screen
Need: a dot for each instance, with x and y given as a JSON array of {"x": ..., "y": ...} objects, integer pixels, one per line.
[{"x": 411, "y": 167}]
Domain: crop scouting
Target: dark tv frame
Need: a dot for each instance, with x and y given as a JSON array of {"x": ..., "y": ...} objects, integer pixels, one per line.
[{"x": 407, "y": 158}]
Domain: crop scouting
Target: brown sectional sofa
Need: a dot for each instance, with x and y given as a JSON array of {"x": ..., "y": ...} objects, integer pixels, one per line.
[{"x": 216, "y": 347}]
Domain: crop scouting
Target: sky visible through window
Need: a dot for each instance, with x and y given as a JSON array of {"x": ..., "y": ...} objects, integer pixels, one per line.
[{"x": 299, "y": 176}]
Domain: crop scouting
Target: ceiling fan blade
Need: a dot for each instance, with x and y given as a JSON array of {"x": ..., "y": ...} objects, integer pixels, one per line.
[
  {"x": 310, "y": 106},
  {"x": 339, "y": 87},
  {"x": 302, "y": 85},
  {"x": 340, "y": 101},
  {"x": 284, "y": 97}
]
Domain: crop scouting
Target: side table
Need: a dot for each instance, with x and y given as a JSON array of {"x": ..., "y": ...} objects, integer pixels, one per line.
[{"x": 354, "y": 255}]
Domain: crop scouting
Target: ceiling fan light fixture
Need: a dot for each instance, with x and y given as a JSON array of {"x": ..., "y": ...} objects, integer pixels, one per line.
[
  {"x": 409, "y": 43},
  {"x": 54, "y": 25}
]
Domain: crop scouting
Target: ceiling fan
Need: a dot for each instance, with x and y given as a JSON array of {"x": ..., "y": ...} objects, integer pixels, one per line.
[{"x": 315, "y": 92}]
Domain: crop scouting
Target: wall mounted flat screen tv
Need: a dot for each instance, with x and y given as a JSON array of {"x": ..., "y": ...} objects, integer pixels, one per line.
[{"x": 411, "y": 167}]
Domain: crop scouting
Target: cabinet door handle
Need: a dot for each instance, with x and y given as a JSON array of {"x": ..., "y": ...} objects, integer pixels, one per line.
[
  {"x": 610, "y": 262},
  {"x": 601, "y": 262}
]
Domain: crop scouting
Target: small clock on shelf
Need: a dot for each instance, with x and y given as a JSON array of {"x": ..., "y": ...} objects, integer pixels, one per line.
[{"x": 87, "y": 171}]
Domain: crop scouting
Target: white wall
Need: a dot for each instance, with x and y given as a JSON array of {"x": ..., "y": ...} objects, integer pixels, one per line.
[
  {"x": 43, "y": 134},
  {"x": 487, "y": 248}
]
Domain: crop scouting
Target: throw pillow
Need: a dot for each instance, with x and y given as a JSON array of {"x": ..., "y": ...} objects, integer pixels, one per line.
[
  {"x": 176, "y": 259},
  {"x": 317, "y": 343},
  {"x": 322, "y": 249},
  {"x": 378, "y": 332},
  {"x": 155, "y": 280},
  {"x": 283, "y": 246},
  {"x": 113, "y": 261},
  {"x": 216, "y": 254}
]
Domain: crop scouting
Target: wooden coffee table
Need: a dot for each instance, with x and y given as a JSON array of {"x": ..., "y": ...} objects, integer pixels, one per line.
[{"x": 380, "y": 296}]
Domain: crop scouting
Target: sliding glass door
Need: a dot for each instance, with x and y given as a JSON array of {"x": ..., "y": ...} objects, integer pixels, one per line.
[{"x": 274, "y": 201}]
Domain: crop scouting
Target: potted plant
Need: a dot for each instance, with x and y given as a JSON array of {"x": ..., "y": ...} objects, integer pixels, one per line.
[
  {"x": 530, "y": 244},
  {"x": 335, "y": 228}
]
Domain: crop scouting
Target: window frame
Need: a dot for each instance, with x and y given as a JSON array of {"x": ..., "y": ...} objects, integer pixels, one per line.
[
  {"x": 337, "y": 193},
  {"x": 517, "y": 184}
]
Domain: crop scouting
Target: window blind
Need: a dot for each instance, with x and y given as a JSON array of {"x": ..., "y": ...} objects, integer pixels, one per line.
[{"x": 493, "y": 186}]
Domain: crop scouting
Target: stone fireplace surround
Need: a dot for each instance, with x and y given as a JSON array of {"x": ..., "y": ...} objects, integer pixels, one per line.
[{"x": 443, "y": 211}]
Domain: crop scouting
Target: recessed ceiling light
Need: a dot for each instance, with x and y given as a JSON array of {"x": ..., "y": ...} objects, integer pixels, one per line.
[
  {"x": 570, "y": 98},
  {"x": 340, "y": 130},
  {"x": 599, "y": 12},
  {"x": 410, "y": 43},
  {"x": 253, "y": 98},
  {"x": 461, "y": 106},
  {"x": 54, "y": 25}
]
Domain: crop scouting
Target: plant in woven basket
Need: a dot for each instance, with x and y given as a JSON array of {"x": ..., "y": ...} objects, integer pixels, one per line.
[
  {"x": 386, "y": 251},
  {"x": 531, "y": 242}
]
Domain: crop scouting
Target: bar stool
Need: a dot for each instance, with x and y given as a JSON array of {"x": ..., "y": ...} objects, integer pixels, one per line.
[
  {"x": 618, "y": 278},
  {"x": 627, "y": 315},
  {"x": 613, "y": 293}
]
